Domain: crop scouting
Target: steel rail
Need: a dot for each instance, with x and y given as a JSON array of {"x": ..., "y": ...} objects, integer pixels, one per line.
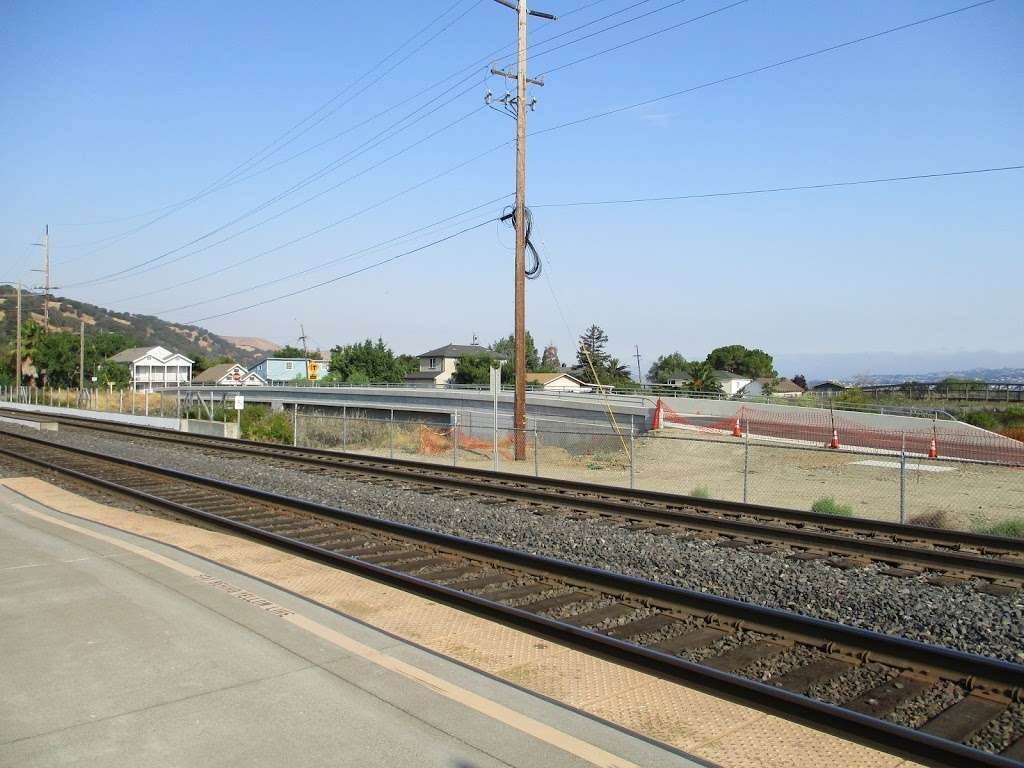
[
  {"x": 972, "y": 671},
  {"x": 769, "y": 524}
]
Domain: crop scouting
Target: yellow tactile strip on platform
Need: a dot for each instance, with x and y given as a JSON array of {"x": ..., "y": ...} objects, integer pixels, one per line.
[{"x": 720, "y": 731}]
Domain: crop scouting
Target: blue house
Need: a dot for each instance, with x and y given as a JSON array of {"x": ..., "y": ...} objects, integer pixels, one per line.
[{"x": 274, "y": 370}]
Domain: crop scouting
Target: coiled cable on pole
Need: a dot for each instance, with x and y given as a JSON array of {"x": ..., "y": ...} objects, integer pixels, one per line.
[{"x": 533, "y": 270}]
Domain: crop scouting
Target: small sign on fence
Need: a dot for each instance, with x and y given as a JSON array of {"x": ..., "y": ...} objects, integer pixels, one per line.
[{"x": 239, "y": 402}]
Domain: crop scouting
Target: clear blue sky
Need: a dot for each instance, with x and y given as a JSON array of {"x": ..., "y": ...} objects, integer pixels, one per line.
[{"x": 109, "y": 110}]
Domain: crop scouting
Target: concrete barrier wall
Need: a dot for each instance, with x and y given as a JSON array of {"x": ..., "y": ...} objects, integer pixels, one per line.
[
  {"x": 211, "y": 428},
  {"x": 124, "y": 418},
  {"x": 553, "y": 408}
]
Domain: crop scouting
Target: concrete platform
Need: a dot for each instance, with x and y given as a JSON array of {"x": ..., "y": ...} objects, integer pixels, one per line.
[
  {"x": 143, "y": 655},
  {"x": 122, "y": 650}
]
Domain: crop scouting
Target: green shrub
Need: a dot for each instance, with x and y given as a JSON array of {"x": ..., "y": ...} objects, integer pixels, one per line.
[
  {"x": 1012, "y": 528},
  {"x": 701, "y": 492},
  {"x": 827, "y": 505},
  {"x": 262, "y": 425}
]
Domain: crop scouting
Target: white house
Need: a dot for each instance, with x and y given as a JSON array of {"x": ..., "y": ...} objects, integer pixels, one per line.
[
  {"x": 229, "y": 374},
  {"x": 731, "y": 382},
  {"x": 150, "y": 367},
  {"x": 438, "y": 365},
  {"x": 557, "y": 382}
]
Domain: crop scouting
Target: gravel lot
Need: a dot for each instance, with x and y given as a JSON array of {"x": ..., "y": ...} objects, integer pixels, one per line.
[{"x": 958, "y": 617}]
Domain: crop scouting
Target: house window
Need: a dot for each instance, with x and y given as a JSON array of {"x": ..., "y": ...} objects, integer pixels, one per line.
[
  {"x": 287, "y": 366},
  {"x": 432, "y": 363}
]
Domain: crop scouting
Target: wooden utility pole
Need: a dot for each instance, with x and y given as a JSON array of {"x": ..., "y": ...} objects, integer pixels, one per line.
[
  {"x": 81, "y": 357},
  {"x": 639, "y": 373},
  {"x": 519, "y": 404},
  {"x": 17, "y": 343}
]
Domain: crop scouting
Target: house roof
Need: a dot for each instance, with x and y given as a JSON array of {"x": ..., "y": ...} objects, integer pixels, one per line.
[
  {"x": 547, "y": 378},
  {"x": 134, "y": 353},
  {"x": 215, "y": 373},
  {"x": 828, "y": 385},
  {"x": 131, "y": 355},
  {"x": 461, "y": 350},
  {"x": 782, "y": 385}
]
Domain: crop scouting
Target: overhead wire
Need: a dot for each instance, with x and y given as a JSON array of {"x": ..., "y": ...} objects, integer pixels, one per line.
[
  {"x": 448, "y": 221},
  {"x": 330, "y": 225},
  {"x": 338, "y": 278},
  {"x": 642, "y": 38},
  {"x": 281, "y": 141},
  {"x": 223, "y": 184},
  {"x": 793, "y": 188},
  {"x": 142, "y": 267},
  {"x": 757, "y": 70}
]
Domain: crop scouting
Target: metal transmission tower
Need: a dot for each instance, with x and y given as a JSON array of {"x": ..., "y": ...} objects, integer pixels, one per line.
[
  {"x": 520, "y": 219},
  {"x": 45, "y": 245}
]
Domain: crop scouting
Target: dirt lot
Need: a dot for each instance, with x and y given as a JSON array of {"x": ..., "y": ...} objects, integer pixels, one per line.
[{"x": 959, "y": 495}]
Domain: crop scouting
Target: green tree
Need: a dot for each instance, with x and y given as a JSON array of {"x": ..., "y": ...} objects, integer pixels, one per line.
[
  {"x": 550, "y": 363},
  {"x": 755, "y": 363},
  {"x": 506, "y": 347},
  {"x": 591, "y": 351},
  {"x": 800, "y": 380},
  {"x": 702, "y": 378},
  {"x": 369, "y": 362},
  {"x": 673, "y": 366},
  {"x": 289, "y": 351},
  {"x": 474, "y": 369}
]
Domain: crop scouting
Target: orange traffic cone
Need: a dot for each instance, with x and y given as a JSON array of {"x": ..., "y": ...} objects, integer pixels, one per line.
[
  {"x": 835, "y": 439},
  {"x": 736, "y": 431},
  {"x": 933, "y": 451},
  {"x": 656, "y": 422}
]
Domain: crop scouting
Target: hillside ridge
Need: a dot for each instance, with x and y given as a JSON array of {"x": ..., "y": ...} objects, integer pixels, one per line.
[{"x": 143, "y": 330}]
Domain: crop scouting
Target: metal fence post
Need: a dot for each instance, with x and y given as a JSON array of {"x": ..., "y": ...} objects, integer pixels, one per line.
[
  {"x": 632, "y": 453},
  {"x": 455, "y": 439},
  {"x": 177, "y": 405},
  {"x": 344, "y": 428},
  {"x": 903, "y": 478},
  {"x": 391, "y": 435},
  {"x": 145, "y": 396},
  {"x": 295, "y": 426},
  {"x": 746, "y": 458},
  {"x": 536, "y": 453}
]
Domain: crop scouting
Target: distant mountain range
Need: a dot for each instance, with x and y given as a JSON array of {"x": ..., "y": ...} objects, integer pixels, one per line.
[
  {"x": 142, "y": 330},
  {"x": 895, "y": 367}
]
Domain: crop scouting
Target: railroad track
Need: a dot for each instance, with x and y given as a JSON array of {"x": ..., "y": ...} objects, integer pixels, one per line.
[
  {"x": 940, "y": 556},
  {"x": 929, "y": 703}
]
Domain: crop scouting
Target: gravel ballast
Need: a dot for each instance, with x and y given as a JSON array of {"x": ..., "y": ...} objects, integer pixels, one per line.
[{"x": 955, "y": 616}]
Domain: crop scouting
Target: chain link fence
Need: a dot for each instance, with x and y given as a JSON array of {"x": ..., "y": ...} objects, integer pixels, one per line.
[
  {"x": 896, "y": 483},
  {"x": 885, "y": 485}
]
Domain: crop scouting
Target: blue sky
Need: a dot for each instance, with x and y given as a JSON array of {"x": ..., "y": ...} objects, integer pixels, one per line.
[{"x": 110, "y": 110}]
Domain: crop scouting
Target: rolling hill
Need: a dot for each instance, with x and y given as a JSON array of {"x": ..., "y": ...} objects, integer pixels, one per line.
[{"x": 142, "y": 330}]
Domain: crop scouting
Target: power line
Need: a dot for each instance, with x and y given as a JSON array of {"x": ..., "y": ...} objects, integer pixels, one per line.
[
  {"x": 140, "y": 268},
  {"x": 270, "y": 148},
  {"x": 796, "y": 188},
  {"x": 339, "y": 259},
  {"x": 229, "y": 178},
  {"x": 764, "y": 68},
  {"x": 342, "y": 277},
  {"x": 330, "y": 225},
  {"x": 640, "y": 39}
]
